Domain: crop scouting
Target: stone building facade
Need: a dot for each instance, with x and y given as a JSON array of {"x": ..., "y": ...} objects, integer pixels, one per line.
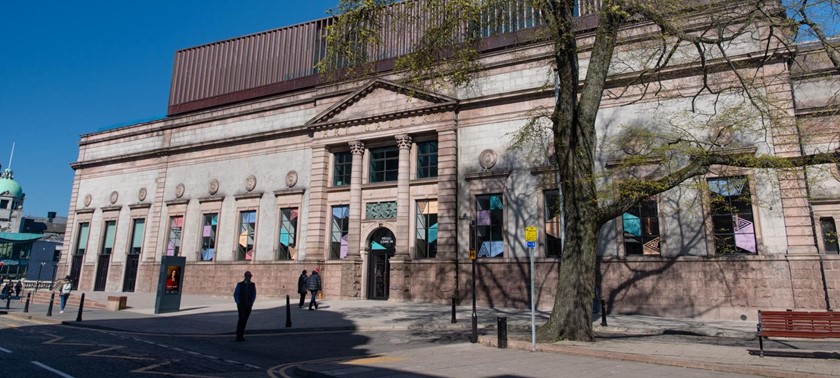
[{"x": 380, "y": 185}]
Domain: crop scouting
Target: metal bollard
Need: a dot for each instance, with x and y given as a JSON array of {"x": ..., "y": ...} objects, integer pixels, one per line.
[
  {"x": 81, "y": 307},
  {"x": 501, "y": 322},
  {"x": 52, "y": 299},
  {"x": 603, "y": 313},
  {"x": 26, "y": 307},
  {"x": 288, "y": 313},
  {"x": 453, "y": 321}
]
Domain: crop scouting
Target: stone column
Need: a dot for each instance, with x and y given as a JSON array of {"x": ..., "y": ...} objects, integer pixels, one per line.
[
  {"x": 357, "y": 148},
  {"x": 403, "y": 200}
]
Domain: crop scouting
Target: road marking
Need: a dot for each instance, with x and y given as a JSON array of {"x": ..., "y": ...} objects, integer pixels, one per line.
[
  {"x": 51, "y": 369},
  {"x": 5, "y": 350},
  {"x": 283, "y": 371}
]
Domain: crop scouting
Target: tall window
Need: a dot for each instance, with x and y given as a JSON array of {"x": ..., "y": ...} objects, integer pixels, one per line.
[
  {"x": 829, "y": 235},
  {"x": 82, "y": 239},
  {"x": 641, "y": 229},
  {"x": 553, "y": 230},
  {"x": 489, "y": 219},
  {"x": 247, "y": 234},
  {"x": 338, "y": 231},
  {"x": 384, "y": 164},
  {"x": 427, "y": 229},
  {"x": 427, "y": 159},
  {"x": 288, "y": 233},
  {"x": 342, "y": 168},
  {"x": 108, "y": 238},
  {"x": 732, "y": 215},
  {"x": 137, "y": 228},
  {"x": 210, "y": 222},
  {"x": 176, "y": 225}
]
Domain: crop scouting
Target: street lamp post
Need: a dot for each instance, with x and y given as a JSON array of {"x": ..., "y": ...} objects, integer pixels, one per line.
[
  {"x": 473, "y": 252},
  {"x": 55, "y": 269},
  {"x": 39, "y": 275}
]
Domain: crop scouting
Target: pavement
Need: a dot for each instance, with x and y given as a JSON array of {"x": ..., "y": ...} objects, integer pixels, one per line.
[{"x": 717, "y": 345}]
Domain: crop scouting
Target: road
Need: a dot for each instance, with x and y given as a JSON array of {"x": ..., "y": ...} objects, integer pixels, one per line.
[{"x": 36, "y": 350}]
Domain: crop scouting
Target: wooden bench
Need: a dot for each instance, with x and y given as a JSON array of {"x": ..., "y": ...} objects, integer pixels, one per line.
[{"x": 797, "y": 324}]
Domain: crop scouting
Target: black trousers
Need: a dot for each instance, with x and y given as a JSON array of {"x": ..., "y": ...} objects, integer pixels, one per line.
[
  {"x": 244, "y": 314},
  {"x": 313, "y": 293},
  {"x": 302, "y": 298}
]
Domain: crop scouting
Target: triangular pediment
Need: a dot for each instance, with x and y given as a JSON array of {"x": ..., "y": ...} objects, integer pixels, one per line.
[{"x": 381, "y": 99}]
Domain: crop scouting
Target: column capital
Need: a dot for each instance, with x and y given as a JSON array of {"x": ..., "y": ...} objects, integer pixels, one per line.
[
  {"x": 357, "y": 147},
  {"x": 403, "y": 141}
]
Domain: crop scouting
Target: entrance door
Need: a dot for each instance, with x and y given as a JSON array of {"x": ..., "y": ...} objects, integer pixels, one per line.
[
  {"x": 102, "y": 273},
  {"x": 381, "y": 248},
  {"x": 131, "y": 272},
  {"x": 76, "y": 270}
]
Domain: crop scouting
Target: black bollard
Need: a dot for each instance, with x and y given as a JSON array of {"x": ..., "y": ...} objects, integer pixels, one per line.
[
  {"x": 603, "y": 313},
  {"x": 288, "y": 313},
  {"x": 453, "y": 321},
  {"x": 81, "y": 307},
  {"x": 501, "y": 322},
  {"x": 26, "y": 307},
  {"x": 52, "y": 299}
]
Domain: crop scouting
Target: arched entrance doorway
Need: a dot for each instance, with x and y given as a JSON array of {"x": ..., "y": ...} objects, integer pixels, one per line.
[{"x": 381, "y": 247}]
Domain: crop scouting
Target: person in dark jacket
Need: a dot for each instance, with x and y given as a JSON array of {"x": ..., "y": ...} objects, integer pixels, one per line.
[
  {"x": 18, "y": 288},
  {"x": 313, "y": 283},
  {"x": 245, "y": 295},
  {"x": 302, "y": 288}
]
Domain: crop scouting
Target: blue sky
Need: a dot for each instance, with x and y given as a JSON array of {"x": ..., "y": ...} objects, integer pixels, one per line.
[{"x": 69, "y": 68}]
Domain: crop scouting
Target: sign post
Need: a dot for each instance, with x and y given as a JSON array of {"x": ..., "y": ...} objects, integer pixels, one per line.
[
  {"x": 531, "y": 239},
  {"x": 473, "y": 256}
]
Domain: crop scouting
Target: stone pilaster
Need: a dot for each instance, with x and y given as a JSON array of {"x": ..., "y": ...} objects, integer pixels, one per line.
[
  {"x": 354, "y": 227},
  {"x": 447, "y": 194},
  {"x": 403, "y": 198},
  {"x": 318, "y": 218}
]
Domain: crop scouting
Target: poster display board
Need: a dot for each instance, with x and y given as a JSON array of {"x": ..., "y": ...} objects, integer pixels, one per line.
[{"x": 170, "y": 284}]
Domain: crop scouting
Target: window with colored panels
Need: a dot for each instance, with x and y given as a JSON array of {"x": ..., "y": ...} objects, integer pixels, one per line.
[
  {"x": 489, "y": 219},
  {"x": 829, "y": 235},
  {"x": 384, "y": 164},
  {"x": 173, "y": 244},
  {"x": 247, "y": 235},
  {"x": 641, "y": 228},
  {"x": 553, "y": 230},
  {"x": 82, "y": 239},
  {"x": 288, "y": 232},
  {"x": 138, "y": 226},
  {"x": 338, "y": 231},
  {"x": 732, "y": 215},
  {"x": 209, "y": 225},
  {"x": 342, "y": 168},
  {"x": 427, "y": 159},
  {"x": 108, "y": 238},
  {"x": 427, "y": 229}
]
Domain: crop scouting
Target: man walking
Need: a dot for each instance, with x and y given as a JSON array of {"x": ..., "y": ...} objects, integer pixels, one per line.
[
  {"x": 302, "y": 288},
  {"x": 313, "y": 283},
  {"x": 244, "y": 295}
]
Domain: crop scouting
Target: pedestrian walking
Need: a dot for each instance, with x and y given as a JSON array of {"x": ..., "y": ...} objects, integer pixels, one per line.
[
  {"x": 7, "y": 289},
  {"x": 313, "y": 283},
  {"x": 63, "y": 286},
  {"x": 244, "y": 295},
  {"x": 302, "y": 288},
  {"x": 18, "y": 288}
]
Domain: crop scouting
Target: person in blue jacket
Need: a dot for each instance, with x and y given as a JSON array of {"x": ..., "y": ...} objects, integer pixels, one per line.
[{"x": 245, "y": 295}]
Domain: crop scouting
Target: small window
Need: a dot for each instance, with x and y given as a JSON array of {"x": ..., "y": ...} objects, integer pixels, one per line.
[
  {"x": 108, "y": 238},
  {"x": 137, "y": 228},
  {"x": 427, "y": 159},
  {"x": 176, "y": 226},
  {"x": 338, "y": 231},
  {"x": 342, "y": 168},
  {"x": 247, "y": 235},
  {"x": 732, "y": 215},
  {"x": 82, "y": 239},
  {"x": 427, "y": 229},
  {"x": 4, "y": 204},
  {"x": 384, "y": 164},
  {"x": 641, "y": 228},
  {"x": 829, "y": 235},
  {"x": 288, "y": 232},
  {"x": 553, "y": 224},
  {"x": 489, "y": 219},
  {"x": 208, "y": 236}
]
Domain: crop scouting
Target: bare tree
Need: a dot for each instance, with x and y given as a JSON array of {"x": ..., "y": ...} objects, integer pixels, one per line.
[{"x": 722, "y": 59}]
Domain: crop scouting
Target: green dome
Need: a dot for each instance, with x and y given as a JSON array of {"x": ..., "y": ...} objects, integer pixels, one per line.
[{"x": 8, "y": 186}]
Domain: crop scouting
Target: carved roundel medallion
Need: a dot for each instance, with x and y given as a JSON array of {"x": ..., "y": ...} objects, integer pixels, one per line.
[
  {"x": 179, "y": 190},
  {"x": 250, "y": 183},
  {"x": 214, "y": 187},
  {"x": 291, "y": 179},
  {"x": 487, "y": 159},
  {"x": 88, "y": 199},
  {"x": 142, "y": 194},
  {"x": 114, "y": 197}
]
